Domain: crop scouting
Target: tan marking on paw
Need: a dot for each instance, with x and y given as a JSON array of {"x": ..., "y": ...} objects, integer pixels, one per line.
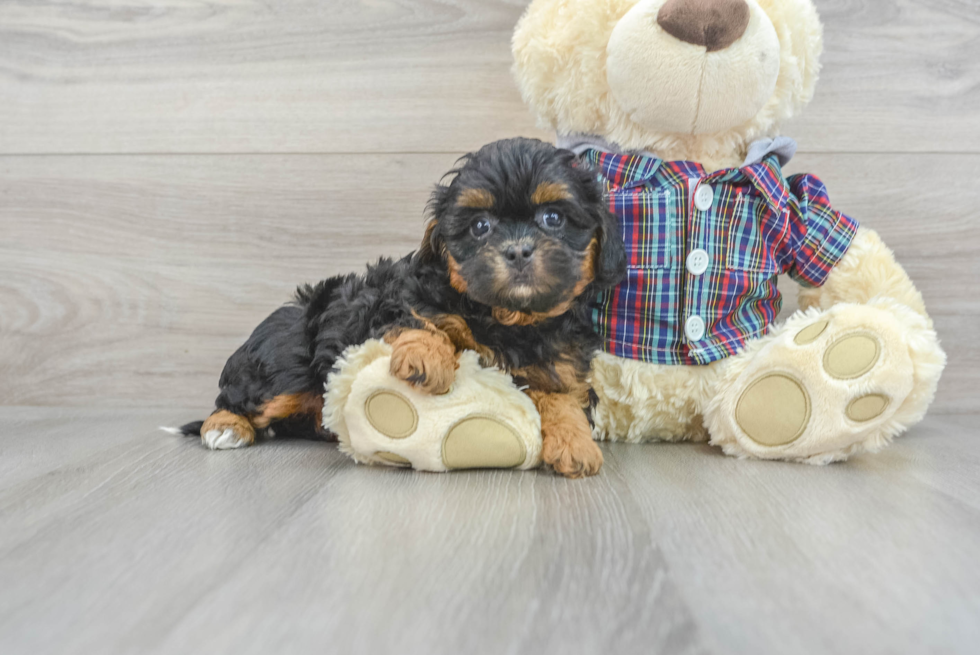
[
  {"x": 774, "y": 410},
  {"x": 482, "y": 442},
  {"x": 224, "y": 429},
  {"x": 425, "y": 359},
  {"x": 567, "y": 444},
  {"x": 851, "y": 356},
  {"x": 391, "y": 414}
]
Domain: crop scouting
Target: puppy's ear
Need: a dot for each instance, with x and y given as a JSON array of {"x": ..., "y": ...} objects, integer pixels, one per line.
[
  {"x": 610, "y": 261},
  {"x": 432, "y": 246}
]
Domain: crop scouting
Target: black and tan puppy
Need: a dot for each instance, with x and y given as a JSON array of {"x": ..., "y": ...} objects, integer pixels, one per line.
[{"x": 519, "y": 243}]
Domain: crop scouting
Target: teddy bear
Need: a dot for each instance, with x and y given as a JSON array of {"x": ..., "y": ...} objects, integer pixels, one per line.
[{"x": 677, "y": 105}]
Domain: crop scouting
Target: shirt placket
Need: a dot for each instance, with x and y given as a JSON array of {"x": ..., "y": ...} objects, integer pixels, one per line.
[{"x": 696, "y": 260}]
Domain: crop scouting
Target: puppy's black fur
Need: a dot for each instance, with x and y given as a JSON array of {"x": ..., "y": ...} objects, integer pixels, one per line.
[{"x": 517, "y": 246}]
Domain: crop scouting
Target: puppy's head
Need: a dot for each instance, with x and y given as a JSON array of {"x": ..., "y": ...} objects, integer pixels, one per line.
[{"x": 521, "y": 228}]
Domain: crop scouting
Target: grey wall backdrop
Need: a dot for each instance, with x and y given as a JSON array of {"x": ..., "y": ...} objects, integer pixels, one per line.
[{"x": 169, "y": 173}]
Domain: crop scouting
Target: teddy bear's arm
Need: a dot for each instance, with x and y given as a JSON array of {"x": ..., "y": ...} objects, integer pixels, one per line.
[
  {"x": 819, "y": 235},
  {"x": 867, "y": 270},
  {"x": 837, "y": 261}
]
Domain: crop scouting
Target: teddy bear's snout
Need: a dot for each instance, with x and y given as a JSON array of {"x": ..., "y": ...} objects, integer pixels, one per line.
[{"x": 714, "y": 24}]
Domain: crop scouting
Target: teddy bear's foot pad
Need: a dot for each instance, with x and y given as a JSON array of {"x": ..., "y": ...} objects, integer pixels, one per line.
[
  {"x": 867, "y": 407},
  {"x": 774, "y": 410},
  {"x": 392, "y": 458},
  {"x": 482, "y": 442},
  {"x": 391, "y": 414},
  {"x": 851, "y": 356}
]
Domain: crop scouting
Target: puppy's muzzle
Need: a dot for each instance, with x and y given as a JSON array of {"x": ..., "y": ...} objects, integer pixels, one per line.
[{"x": 518, "y": 255}]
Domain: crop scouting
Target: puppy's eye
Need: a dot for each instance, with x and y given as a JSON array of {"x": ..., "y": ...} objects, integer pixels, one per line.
[
  {"x": 480, "y": 227},
  {"x": 552, "y": 220}
]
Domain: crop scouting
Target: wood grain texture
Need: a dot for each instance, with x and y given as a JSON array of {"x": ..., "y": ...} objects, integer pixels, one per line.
[
  {"x": 149, "y": 543},
  {"x": 116, "y": 538},
  {"x": 215, "y": 76},
  {"x": 898, "y": 76},
  {"x": 129, "y": 279},
  {"x": 95, "y": 76}
]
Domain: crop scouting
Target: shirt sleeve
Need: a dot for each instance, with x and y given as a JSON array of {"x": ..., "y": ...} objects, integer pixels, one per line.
[{"x": 819, "y": 234}]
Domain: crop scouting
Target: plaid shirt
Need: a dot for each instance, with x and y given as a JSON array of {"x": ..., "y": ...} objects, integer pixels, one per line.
[{"x": 753, "y": 224}]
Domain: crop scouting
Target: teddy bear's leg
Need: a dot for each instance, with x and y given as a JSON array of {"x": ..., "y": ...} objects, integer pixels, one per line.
[
  {"x": 827, "y": 384},
  {"x": 856, "y": 368},
  {"x": 481, "y": 421},
  {"x": 650, "y": 402}
]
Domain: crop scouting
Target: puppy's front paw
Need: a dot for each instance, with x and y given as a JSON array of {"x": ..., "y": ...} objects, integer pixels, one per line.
[
  {"x": 424, "y": 359},
  {"x": 573, "y": 458}
]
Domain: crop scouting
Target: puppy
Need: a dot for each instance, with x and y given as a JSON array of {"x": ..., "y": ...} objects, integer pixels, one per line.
[{"x": 517, "y": 247}]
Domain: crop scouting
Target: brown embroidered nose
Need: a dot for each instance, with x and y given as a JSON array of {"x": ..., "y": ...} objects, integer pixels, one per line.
[{"x": 715, "y": 24}]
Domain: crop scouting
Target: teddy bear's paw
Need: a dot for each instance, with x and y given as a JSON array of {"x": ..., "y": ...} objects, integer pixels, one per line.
[
  {"x": 821, "y": 388},
  {"x": 483, "y": 421},
  {"x": 472, "y": 441}
]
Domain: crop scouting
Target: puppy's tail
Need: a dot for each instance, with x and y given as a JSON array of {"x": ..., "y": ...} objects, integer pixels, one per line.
[{"x": 190, "y": 430}]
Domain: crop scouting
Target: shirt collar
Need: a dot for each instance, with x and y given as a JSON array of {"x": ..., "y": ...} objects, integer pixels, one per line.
[
  {"x": 627, "y": 170},
  {"x": 783, "y": 146}
]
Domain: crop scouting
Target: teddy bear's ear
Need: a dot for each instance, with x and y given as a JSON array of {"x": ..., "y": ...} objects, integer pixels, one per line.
[
  {"x": 803, "y": 23},
  {"x": 556, "y": 46}
]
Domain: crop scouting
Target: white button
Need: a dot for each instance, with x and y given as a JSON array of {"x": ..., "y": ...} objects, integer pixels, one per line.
[
  {"x": 697, "y": 261},
  {"x": 694, "y": 328},
  {"x": 703, "y": 197}
]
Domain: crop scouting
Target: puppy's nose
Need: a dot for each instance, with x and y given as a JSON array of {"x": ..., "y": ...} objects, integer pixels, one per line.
[
  {"x": 519, "y": 254},
  {"x": 715, "y": 24}
]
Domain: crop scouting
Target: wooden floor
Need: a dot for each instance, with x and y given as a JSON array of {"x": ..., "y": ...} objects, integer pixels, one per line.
[
  {"x": 118, "y": 538},
  {"x": 170, "y": 171}
]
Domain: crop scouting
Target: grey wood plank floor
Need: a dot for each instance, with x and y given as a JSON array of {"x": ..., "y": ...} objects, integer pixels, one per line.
[{"x": 117, "y": 538}]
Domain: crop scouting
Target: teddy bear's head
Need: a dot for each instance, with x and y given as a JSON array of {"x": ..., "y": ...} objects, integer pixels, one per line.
[{"x": 686, "y": 79}]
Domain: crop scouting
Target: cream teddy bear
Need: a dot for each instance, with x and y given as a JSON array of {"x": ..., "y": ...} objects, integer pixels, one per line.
[{"x": 677, "y": 106}]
